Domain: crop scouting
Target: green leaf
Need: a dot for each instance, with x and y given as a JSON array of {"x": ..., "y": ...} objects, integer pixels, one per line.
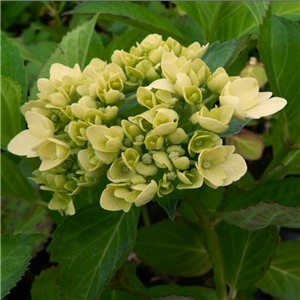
[
  {"x": 73, "y": 49},
  {"x": 90, "y": 247},
  {"x": 45, "y": 286},
  {"x": 11, "y": 11},
  {"x": 96, "y": 47},
  {"x": 126, "y": 280},
  {"x": 14, "y": 184},
  {"x": 110, "y": 294},
  {"x": 173, "y": 248},
  {"x": 12, "y": 65},
  {"x": 262, "y": 215},
  {"x": 289, "y": 10},
  {"x": 246, "y": 254},
  {"x": 223, "y": 54},
  {"x": 169, "y": 203},
  {"x": 132, "y": 14},
  {"x": 22, "y": 217},
  {"x": 283, "y": 277},
  {"x": 284, "y": 192},
  {"x": 226, "y": 20},
  {"x": 197, "y": 292},
  {"x": 15, "y": 257},
  {"x": 10, "y": 110},
  {"x": 279, "y": 44},
  {"x": 235, "y": 126}
]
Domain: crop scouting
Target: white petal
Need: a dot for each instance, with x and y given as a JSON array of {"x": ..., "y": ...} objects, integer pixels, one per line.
[
  {"x": 23, "y": 143},
  {"x": 162, "y": 84},
  {"x": 266, "y": 108},
  {"x": 147, "y": 194}
]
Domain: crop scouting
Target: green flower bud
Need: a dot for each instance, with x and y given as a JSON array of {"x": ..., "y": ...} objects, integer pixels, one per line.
[
  {"x": 113, "y": 96},
  {"x": 175, "y": 149},
  {"x": 189, "y": 179},
  {"x": 203, "y": 140},
  {"x": 199, "y": 72},
  {"x": 174, "y": 46}
]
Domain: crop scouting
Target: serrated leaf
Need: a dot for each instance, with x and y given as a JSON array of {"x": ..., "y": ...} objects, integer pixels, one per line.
[
  {"x": 45, "y": 286},
  {"x": 15, "y": 257},
  {"x": 283, "y": 277},
  {"x": 10, "y": 110},
  {"x": 284, "y": 192},
  {"x": 287, "y": 9},
  {"x": 196, "y": 292},
  {"x": 223, "y": 54},
  {"x": 226, "y": 20},
  {"x": 169, "y": 203},
  {"x": 262, "y": 215},
  {"x": 131, "y": 14},
  {"x": 12, "y": 65},
  {"x": 73, "y": 49},
  {"x": 246, "y": 254},
  {"x": 173, "y": 248},
  {"x": 90, "y": 247},
  {"x": 14, "y": 184}
]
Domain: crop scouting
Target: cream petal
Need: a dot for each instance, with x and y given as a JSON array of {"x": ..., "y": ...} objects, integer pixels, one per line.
[
  {"x": 147, "y": 194},
  {"x": 40, "y": 126},
  {"x": 266, "y": 108},
  {"x": 236, "y": 104},
  {"x": 108, "y": 201},
  {"x": 235, "y": 167},
  {"x": 23, "y": 143},
  {"x": 162, "y": 84}
]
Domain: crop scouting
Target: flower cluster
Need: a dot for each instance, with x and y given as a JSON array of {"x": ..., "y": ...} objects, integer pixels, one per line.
[{"x": 81, "y": 127}]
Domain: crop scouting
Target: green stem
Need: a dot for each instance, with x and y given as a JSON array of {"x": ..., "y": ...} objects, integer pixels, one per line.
[
  {"x": 41, "y": 203},
  {"x": 209, "y": 99},
  {"x": 145, "y": 216},
  {"x": 214, "y": 250}
]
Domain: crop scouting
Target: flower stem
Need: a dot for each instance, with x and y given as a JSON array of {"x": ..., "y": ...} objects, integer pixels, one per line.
[
  {"x": 145, "y": 216},
  {"x": 214, "y": 250}
]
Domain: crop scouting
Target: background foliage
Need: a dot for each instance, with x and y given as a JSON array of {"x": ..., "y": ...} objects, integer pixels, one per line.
[{"x": 86, "y": 256}]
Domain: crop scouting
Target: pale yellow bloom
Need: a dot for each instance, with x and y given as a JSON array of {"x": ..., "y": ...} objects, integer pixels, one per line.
[
  {"x": 189, "y": 179},
  {"x": 219, "y": 166},
  {"x": 217, "y": 119},
  {"x": 194, "y": 51},
  {"x": 39, "y": 129},
  {"x": 63, "y": 203},
  {"x": 243, "y": 94}
]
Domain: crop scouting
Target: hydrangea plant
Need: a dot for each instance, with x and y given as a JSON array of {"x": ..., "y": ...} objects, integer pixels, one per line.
[{"x": 171, "y": 141}]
